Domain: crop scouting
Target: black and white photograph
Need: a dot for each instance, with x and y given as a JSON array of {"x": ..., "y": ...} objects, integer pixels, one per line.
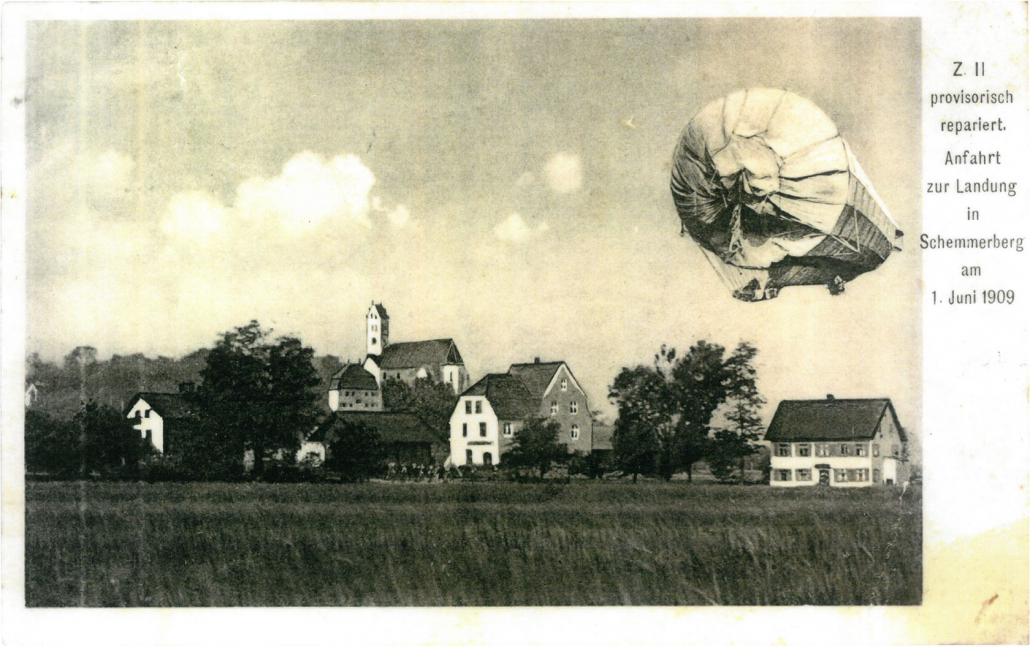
[{"x": 472, "y": 313}]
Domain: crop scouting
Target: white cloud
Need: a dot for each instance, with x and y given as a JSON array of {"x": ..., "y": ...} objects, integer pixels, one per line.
[
  {"x": 194, "y": 216},
  {"x": 564, "y": 172},
  {"x": 515, "y": 230},
  {"x": 310, "y": 190},
  {"x": 399, "y": 216}
]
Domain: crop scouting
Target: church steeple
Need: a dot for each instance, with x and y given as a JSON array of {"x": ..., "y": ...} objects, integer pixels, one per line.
[{"x": 377, "y": 329}]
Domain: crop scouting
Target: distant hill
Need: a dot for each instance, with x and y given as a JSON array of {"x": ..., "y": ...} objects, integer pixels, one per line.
[{"x": 82, "y": 377}]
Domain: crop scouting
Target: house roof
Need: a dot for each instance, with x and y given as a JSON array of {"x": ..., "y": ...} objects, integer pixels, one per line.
[
  {"x": 167, "y": 405},
  {"x": 416, "y": 354},
  {"x": 829, "y": 419},
  {"x": 602, "y": 436},
  {"x": 536, "y": 376},
  {"x": 507, "y": 394},
  {"x": 381, "y": 310},
  {"x": 353, "y": 376},
  {"x": 393, "y": 427}
]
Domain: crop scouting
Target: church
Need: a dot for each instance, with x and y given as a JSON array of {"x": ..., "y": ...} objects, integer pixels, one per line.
[{"x": 358, "y": 387}]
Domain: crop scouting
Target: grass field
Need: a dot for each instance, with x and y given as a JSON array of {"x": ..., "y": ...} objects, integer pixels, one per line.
[{"x": 484, "y": 544}]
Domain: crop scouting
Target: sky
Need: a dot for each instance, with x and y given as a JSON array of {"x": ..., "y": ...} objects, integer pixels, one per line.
[{"x": 504, "y": 183}]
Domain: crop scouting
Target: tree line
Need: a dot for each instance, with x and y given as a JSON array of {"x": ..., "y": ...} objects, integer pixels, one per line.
[{"x": 682, "y": 409}]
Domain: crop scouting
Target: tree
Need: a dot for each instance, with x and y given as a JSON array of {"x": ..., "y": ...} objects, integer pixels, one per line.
[
  {"x": 258, "y": 395},
  {"x": 645, "y": 424},
  {"x": 357, "y": 453},
  {"x": 51, "y": 445},
  {"x": 433, "y": 402},
  {"x": 743, "y": 423},
  {"x": 108, "y": 441},
  {"x": 536, "y": 446}
]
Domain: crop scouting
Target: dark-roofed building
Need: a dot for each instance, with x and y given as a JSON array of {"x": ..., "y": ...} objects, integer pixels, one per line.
[
  {"x": 435, "y": 359},
  {"x": 490, "y": 413},
  {"x": 355, "y": 388},
  {"x": 837, "y": 442},
  {"x": 408, "y": 438},
  {"x": 159, "y": 417}
]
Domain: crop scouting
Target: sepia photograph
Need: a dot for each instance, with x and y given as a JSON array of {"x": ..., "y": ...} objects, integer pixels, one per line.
[{"x": 547, "y": 312}]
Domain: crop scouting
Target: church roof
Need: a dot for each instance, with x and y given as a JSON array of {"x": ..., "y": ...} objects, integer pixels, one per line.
[
  {"x": 829, "y": 419},
  {"x": 536, "y": 375},
  {"x": 507, "y": 394},
  {"x": 353, "y": 376},
  {"x": 415, "y": 354},
  {"x": 393, "y": 427}
]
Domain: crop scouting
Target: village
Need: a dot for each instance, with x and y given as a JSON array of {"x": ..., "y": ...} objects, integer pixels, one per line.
[{"x": 831, "y": 442}]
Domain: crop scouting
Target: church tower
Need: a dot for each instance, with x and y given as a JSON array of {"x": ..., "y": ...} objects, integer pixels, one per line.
[{"x": 377, "y": 329}]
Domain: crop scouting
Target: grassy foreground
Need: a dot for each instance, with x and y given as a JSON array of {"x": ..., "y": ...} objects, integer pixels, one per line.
[{"x": 585, "y": 543}]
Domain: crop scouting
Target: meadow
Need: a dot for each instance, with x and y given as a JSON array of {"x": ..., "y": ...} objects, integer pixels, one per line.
[{"x": 483, "y": 544}]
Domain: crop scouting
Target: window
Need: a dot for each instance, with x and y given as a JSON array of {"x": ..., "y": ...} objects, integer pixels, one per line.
[
  {"x": 861, "y": 449},
  {"x": 479, "y": 406},
  {"x": 464, "y": 429},
  {"x": 782, "y": 475},
  {"x": 876, "y": 474},
  {"x": 487, "y": 459},
  {"x": 862, "y": 475},
  {"x": 573, "y": 407},
  {"x": 803, "y": 475},
  {"x": 876, "y": 449},
  {"x": 840, "y": 476},
  {"x": 507, "y": 429},
  {"x": 575, "y": 431},
  {"x": 564, "y": 385},
  {"x": 468, "y": 456},
  {"x": 822, "y": 449},
  {"x": 482, "y": 429},
  {"x": 783, "y": 449},
  {"x": 146, "y": 414},
  {"x": 804, "y": 449},
  {"x": 554, "y": 407},
  {"x": 468, "y": 406},
  {"x": 845, "y": 450}
]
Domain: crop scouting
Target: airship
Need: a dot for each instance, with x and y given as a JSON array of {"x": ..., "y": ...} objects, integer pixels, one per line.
[{"x": 766, "y": 186}]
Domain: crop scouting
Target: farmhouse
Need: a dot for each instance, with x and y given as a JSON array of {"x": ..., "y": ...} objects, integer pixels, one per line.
[
  {"x": 407, "y": 438},
  {"x": 159, "y": 417},
  {"x": 838, "y": 443},
  {"x": 435, "y": 359},
  {"x": 489, "y": 414},
  {"x": 354, "y": 388}
]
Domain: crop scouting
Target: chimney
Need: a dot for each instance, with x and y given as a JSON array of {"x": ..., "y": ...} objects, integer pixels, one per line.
[
  {"x": 536, "y": 360},
  {"x": 829, "y": 396}
]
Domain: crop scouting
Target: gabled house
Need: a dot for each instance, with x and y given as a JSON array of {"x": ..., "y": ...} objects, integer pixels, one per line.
[
  {"x": 838, "y": 443},
  {"x": 407, "y": 438},
  {"x": 354, "y": 388},
  {"x": 489, "y": 414},
  {"x": 160, "y": 417}
]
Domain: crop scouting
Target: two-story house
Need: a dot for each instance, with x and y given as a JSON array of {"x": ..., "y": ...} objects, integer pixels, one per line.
[
  {"x": 354, "y": 388},
  {"x": 838, "y": 443},
  {"x": 489, "y": 414}
]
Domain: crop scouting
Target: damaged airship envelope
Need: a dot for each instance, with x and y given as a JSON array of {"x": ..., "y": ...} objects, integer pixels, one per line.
[{"x": 773, "y": 195}]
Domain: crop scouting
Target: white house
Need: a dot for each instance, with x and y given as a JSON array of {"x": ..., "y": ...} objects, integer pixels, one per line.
[
  {"x": 158, "y": 415},
  {"x": 489, "y": 414},
  {"x": 837, "y": 443}
]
